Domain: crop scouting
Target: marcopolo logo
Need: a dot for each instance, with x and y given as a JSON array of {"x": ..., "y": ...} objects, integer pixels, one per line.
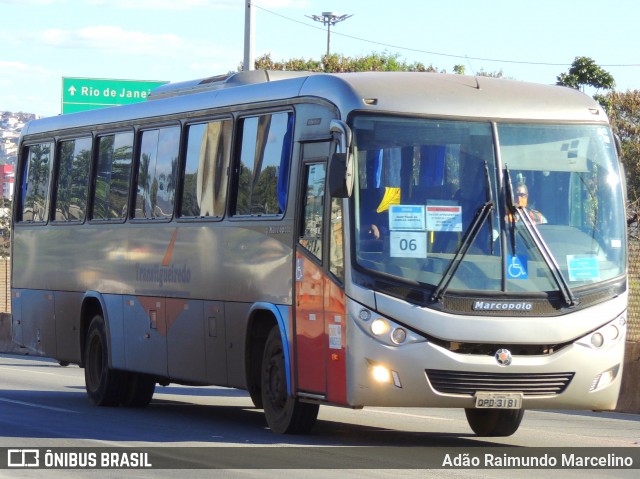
[
  {"x": 502, "y": 306},
  {"x": 503, "y": 357}
]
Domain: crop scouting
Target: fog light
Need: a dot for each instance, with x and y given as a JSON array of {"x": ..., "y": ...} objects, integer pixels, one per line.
[
  {"x": 364, "y": 314},
  {"x": 379, "y": 326},
  {"x": 604, "y": 379},
  {"x": 381, "y": 374}
]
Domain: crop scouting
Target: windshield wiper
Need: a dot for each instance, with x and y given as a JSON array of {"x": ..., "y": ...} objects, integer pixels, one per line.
[
  {"x": 540, "y": 243},
  {"x": 469, "y": 237}
]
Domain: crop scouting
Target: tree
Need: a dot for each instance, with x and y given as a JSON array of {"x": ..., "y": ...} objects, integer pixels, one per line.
[
  {"x": 585, "y": 72},
  {"x": 623, "y": 110},
  {"x": 336, "y": 63},
  {"x": 5, "y": 227}
]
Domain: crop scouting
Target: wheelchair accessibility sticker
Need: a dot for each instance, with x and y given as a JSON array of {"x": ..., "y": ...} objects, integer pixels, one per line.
[{"x": 517, "y": 267}]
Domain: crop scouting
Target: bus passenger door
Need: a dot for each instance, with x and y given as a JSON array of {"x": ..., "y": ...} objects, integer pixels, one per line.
[{"x": 310, "y": 335}]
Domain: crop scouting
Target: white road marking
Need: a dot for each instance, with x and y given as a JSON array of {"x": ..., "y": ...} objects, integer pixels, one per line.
[
  {"x": 25, "y": 370},
  {"x": 30, "y": 404},
  {"x": 383, "y": 411}
]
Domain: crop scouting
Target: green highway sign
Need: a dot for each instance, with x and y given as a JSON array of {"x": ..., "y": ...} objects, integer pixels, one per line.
[{"x": 81, "y": 94}]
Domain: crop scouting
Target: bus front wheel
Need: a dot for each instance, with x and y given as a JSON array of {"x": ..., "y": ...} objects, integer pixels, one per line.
[
  {"x": 285, "y": 414},
  {"x": 494, "y": 422}
]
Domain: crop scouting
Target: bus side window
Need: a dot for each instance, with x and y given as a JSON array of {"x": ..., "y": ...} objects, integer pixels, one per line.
[
  {"x": 157, "y": 169},
  {"x": 264, "y": 164},
  {"x": 113, "y": 173},
  {"x": 73, "y": 177},
  {"x": 35, "y": 183},
  {"x": 204, "y": 193}
]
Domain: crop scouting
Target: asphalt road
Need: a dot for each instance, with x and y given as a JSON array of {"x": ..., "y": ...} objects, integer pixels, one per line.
[{"x": 43, "y": 406}]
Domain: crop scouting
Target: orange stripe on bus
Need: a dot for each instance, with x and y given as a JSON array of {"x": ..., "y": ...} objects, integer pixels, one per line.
[{"x": 167, "y": 256}]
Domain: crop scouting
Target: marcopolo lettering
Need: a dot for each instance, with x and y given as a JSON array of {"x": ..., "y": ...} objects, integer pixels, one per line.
[{"x": 502, "y": 306}]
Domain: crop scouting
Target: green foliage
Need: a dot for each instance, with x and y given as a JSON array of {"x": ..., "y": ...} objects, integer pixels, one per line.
[
  {"x": 585, "y": 72},
  {"x": 336, "y": 63},
  {"x": 623, "y": 110},
  {"x": 5, "y": 227},
  {"x": 497, "y": 74},
  {"x": 459, "y": 69},
  {"x": 374, "y": 62}
]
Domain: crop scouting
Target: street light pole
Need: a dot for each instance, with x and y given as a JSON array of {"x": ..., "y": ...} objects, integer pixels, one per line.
[
  {"x": 329, "y": 19},
  {"x": 249, "y": 34}
]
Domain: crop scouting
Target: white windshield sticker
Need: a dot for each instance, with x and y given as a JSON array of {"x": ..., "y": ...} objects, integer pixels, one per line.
[
  {"x": 335, "y": 336},
  {"x": 408, "y": 244},
  {"x": 444, "y": 218},
  {"x": 406, "y": 217},
  {"x": 583, "y": 268}
]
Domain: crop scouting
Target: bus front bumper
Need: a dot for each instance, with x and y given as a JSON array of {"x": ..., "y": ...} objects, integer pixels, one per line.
[{"x": 423, "y": 374}]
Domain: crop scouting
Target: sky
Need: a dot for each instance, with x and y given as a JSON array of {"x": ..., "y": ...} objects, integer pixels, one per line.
[{"x": 42, "y": 41}]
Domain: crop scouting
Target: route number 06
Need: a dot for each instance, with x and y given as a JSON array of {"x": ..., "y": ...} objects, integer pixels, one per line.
[{"x": 408, "y": 244}]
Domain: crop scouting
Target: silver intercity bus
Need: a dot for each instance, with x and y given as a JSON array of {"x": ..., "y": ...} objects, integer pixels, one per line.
[{"x": 362, "y": 239}]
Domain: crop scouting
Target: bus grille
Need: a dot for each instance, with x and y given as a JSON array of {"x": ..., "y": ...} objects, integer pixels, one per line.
[{"x": 468, "y": 383}]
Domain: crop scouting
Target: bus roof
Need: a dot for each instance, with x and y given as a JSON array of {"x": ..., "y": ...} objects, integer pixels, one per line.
[{"x": 432, "y": 94}]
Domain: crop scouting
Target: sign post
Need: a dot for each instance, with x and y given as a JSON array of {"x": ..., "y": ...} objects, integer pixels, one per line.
[{"x": 81, "y": 94}]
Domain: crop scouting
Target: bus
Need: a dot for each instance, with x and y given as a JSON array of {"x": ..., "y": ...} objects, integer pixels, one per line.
[{"x": 362, "y": 239}]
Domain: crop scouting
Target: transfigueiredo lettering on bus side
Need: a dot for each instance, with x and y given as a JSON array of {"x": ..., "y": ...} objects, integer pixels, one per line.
[{"x": 163, "y": 274}]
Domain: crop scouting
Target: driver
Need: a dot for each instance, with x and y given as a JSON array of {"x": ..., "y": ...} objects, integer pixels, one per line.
[{"x": 522, "y": 200}]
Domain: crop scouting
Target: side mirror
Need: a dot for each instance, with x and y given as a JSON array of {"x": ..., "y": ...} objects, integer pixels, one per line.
[
  {"x": 338, "y": 187},
  {"x": 341, "y": 167}
]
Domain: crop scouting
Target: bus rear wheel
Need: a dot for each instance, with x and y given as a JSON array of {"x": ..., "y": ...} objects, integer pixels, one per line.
[
  {"x": 494, "y": 422},
  {"x": 285, "y": 414},
  {"x": 106, "y": 386},
  {"x": 102, "y": 383},
  {"x": 138, "y": 390}
]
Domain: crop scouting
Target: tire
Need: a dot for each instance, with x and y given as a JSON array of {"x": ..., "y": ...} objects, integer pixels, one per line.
[
  {"x": 256, "y": 398},
  {"x": 494, "y": 422},
  {"x": 285, "y": 414},
  {"x": 104, "y": 385},
  {"x": 138, "y": 390}
]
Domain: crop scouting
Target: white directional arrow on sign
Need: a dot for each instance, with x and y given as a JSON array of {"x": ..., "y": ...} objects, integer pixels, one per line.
[{"x": 72, "y": 90}]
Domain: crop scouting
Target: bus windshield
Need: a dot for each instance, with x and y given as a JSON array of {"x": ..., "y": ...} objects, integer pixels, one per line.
[{"x": 512, "y": 207}]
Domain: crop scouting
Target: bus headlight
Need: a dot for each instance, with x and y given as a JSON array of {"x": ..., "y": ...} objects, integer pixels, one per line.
[
  {"x": 607, "y": 335},
  {"x": 399, "y": 335},
  {"x": 384, "y": 330},
  {"x": 380, "y": 327},
  {"x": 597, "y": 340}
]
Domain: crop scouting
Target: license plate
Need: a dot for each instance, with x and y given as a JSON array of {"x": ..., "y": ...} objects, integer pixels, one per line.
[{"x": 498, "y": 400}]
